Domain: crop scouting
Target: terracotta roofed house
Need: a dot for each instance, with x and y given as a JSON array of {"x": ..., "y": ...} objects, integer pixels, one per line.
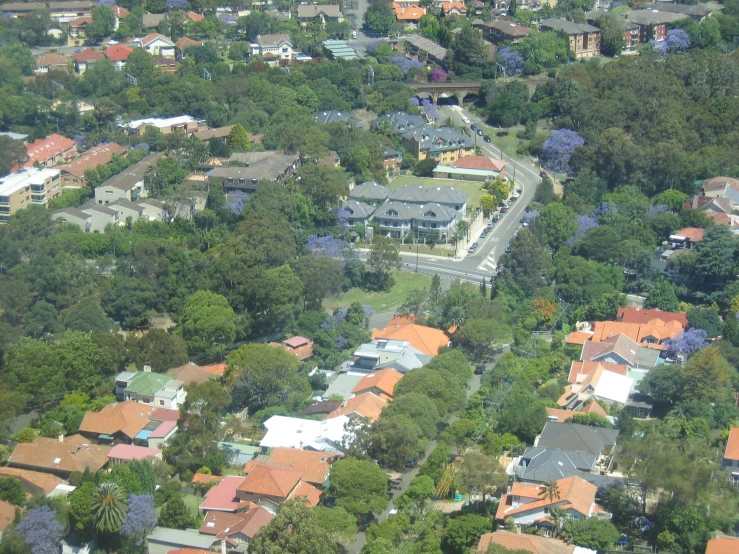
[
  {"x": 528, "y": 505},
  {"x": 191, "y": 373},
  {"x": 454, "y": 8},
  {"x": 651, "y": 335},
  {"x": 270, "y": 485},
  {"x": 157, "y": 45},
  {"x": 60, "y": 457},
  {"x": 183, "y": 43},
  {"x": 238, "y": 528},
  {"x": 73, "y": 173},
  {"x": 298, "y": 346},
  {"x": 119, "y": 422},
  {"x": 723, "y": 545},
  {"x": 193, "y": 16},
  {"x": 502, "y": 31},
  {"x": 7, "y": 515},
  {"x": 222, "y": 497},
  {"x": 408, "y": 13},
  {"x": 425, "y": 339},
  {"x": 34, "y": 482},
  {"x": 51, "y": 62},
  {"x": 530, "y": 543},
  {"x": 381, "y": 383},
  {"x": 367, "y": 405},
  {"x": 731, "y": 453},
  {"x": 216, "y": 369},
  {"x": 85, "y": 58},
  {"x": 580, "y": 370},
  {"x": 315, "y": 466},
  {"x": 50, "y": 151},
  {"x": 118, "y": 54},
  {"x": 634, "y": 315}
]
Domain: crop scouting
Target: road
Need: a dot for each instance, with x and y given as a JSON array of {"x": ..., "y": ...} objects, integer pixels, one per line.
[{"x": 360, "y": 539}]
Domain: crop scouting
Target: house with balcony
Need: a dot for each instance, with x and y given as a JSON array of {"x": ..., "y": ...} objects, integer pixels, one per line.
[
  {"x": 128, "y": 184},
  {"x": 152, "y": 389},
  {"x": 76, "y": 34},
  {"x": 584, "y": 39},
  {"x": 444, "y": 144},
  {"x": 502, "y": 30},
  {"x": 323, "y": 13},
  {"x": 28, "y": 185},
  {"x": 157, "y": 45},
  {"x": 69, "y": 10},
  {"x": 418, "y": 195},
  {"x": 379, "y": 354},
  {"x": 273, "y": 48},
  {"x": 50, "y": 151},
  {"x": 398, "y": 219},
  {"x": 247, "y": 170},
  {"x": 73, "y": 173},
  {"x": 653, "y": 24}
]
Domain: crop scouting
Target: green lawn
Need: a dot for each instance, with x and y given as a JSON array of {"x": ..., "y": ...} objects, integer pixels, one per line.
[
  {"x": 382, "y": 301},
  {"x": 472, "y": 188},
  {"x": 192, "y": 502}
]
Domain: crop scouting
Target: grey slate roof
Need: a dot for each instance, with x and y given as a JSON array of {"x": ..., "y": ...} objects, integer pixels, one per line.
[
  {"x": 342, "y": 385},
  {"x": 654, "y": 17},
  {"x": 539, "y": 465},
  {"x": 647, "y": 358},
  {"x": 370, "y": 190},
  {"x": 127, "y": 178},
  {"x": 164, "y": 539},
  {"x": 123, "y": 203},
  {"x": 72, "y": 212},
  {"x": 686, "y": 9},
  {"x": 434, "y": 49},
  {"x": 102, "y": 209},
  {"x": 400, "y": 122},
  {"x": 418, "y": 194},
  {"x": 314, "y": 10},
  {"x": 273, "y": 40},
  {"x": 333, "y": 116},
  {"x": 577, "y": 438},
  {"x": 438, "y": 139},
  {"x": 422, "y": 212},
  {"x": 358, "y": 210},
  {"x": 263, "y": 166},
  {"x": 569, "y": 27}
]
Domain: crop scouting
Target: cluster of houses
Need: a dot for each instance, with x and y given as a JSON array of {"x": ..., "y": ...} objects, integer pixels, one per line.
[{"x": 616, "y": 356}]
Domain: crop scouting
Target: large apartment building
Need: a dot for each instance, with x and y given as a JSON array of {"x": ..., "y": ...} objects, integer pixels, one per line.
[{"x": 30, "y": 185}]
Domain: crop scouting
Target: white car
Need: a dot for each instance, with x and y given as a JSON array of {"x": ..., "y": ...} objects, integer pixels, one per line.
[{"x": 466, "y": 119}]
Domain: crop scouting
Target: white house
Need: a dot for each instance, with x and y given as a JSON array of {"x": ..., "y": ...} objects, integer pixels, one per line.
[
  {"x": 157, "y": 45},
  {"x": 273, "y": 48},
  {"x": 291, "y": 432}
]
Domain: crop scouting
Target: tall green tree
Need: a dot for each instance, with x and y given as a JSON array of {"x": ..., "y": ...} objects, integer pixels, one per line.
[
  {"x": 295, "y": 530},
  {"x": 383, "y": 258},
  {"x": 662, "y": 295},
  {"x": 238, "y": 138},
  {"x": 109, "y": 506},
  {"x": 360, "y": 486},
  {"x": 207, "y": 319}
]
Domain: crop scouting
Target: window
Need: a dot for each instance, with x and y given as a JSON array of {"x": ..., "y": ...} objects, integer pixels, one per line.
[{"x": 161, "y": 402}]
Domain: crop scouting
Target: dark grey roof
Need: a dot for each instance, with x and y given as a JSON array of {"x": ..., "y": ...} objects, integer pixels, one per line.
[
  {"x": 72, "y": 212},
  {"x": 434, "y": 49},
  {"x": 333, "y": 116},
  {"x": 152, "y": 202},
  {"x": 693, "y": 11},
  {"x": 123, "y": 203},
  {"x": 400, "y": 122},
  {"x": 371, "y": 190},
  {"x": 539, "y": 465},
  {"x": 273, "y": 40},
  {"x": 102, "y": 209},
  {"x": 418, "y": 194},
  {"x": 439, "y": 139},
  {"x": 262, "y": 166},
  {"x": 577, "y": 438},
  {"x": 22, "y": 6},
  {"x": 127, "y": 178},
  {"x": 314, "y": 10},
  {"x": 569, "y": 27},
  {"x": 647, "y": 358},
  {"x": 359, "y": 210},
  {"x": 654, "y": 17},
  {"x": 419, "y": 212}
]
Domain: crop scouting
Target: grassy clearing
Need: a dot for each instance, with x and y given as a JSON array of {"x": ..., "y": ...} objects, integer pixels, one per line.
[
  {"x": 472, "y": 188},
  {"x": 192, "y": 502},
  {"x": 382, "y": 301}
]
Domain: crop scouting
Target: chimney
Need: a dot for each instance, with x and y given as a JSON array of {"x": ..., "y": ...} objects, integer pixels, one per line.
[
  {"x": 60, "y": 436},
  {"x": 147, "y": 369}
]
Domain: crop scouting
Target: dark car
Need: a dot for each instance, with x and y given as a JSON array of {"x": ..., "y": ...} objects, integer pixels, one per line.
[
  {"x": 480, "y": 132},
  {"x": 473, "y": 127},
  {"x": 486, "y": 138},
  {"x": 484, "y": 234},
  {"x": 412, "y": 463},
  {"x": 473, "y": 247},
  {"x": 503, "y": 209},
  {"x": 479, "y": 370},
  {"x": 508, "y": 248}
]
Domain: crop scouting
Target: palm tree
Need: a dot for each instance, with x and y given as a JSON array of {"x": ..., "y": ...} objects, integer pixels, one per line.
[
  {"x": 109, "y": 506},
  {"x": 557, "y": 517},
  {"x": 550, "y": 491}
]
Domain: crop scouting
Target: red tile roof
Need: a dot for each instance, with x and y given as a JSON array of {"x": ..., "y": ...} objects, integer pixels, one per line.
[
  {"x": 191, "y": 373},
  {"x": 41, "y": 150},
  {"x": 367, "y": 405},
  {"x": 295, "y": 342},
  {"x": 575, "y": 493},
  {"x": 265, "y": 479},
  {"x": 195, "y": 16},
  {"x": 33, "y": 481},
  {"x": 578, "y": 338},
  {"x": 656, "y": 330},
  {"x": 303, "y": 350},
  {"x": 426, "y": 339},
  {"x": 580, "y": 370},
  {"x": 124, "y": 417},
  {"x": 118, "y": 52},
  {"x": 7, "y": 514},
  {"x": 148, "y": 39},
  {"x": 75, "y": 453},
  {"x": 222, "y": 497},
  {"x": 384, "y": 380},
  {"x": 183, "y": 43},
  {"x": 480, "y": 162},
  {"x": 99, "y": 155},
  {"x": 529, "y": 543},
  {"x": 723, "y": 545},
  {"x": 215, "y": 369},
  {"x": 224, "y": 524},
  {"x": 80, "y": 21},
  {"x": 307, "y": 491},
  {"x": 693, "y": 234},
  {"x": 314, "y": 465},
  {"x": 120, "y": 12},
  {"x": 50, "y": 59},
  {"x": 204, "y": 478},
  {"x": 86, "y": 56},
  {"x": 164, "y": 429},
  {"x": 634, "y": 315},
  {"x": 732, "y": 445},
  {"x": 164, "y": 414},
  {"x": 409, "y": 13}
]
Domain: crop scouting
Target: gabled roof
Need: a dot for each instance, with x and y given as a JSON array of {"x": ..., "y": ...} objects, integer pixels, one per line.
[
  {"x": 370, "y": 190},
  {"x": 273, "y": 40},
  {"x": 307, "y": 491},
  {"x": 569, "y": 27},
  {"x": 183, "y": 43},
  {"x": 75, "y": 453},
  {"x": 222, "y": 497},
  {"x": 33, "y": 481},
  {"x": 128, "y": 452},
  {"x": 334, "y": 116},
  {"x": 99, "y": 155},
  {"x": 384, "y": 380},
  {"x": 732, "y": 445},
  {"x": 480, "y": 162},
  {"x": 193, "y": 16},
  {"x": 306, "y": 11},
  {"x": 118, "y": 52},
  {"x": 577, "y": 438},
  {"x": 580, "y": 370},
  {"x": 148, "y": 39},
  {"x": 723, "y": 545},
  {"x": 575, "y": 493},
  {"x": 606, "y": 385},
  {"x": 593, "y": 408},
  {"x": 530, "y": 543},
  {"x": 206, "y": 478},
  {"x": 408, "y": 13},
  {"x": 449, "y": 7},
  {"x": 543, "y": 464},
  {"x": 124, "y": 417},
  {"x": 44, "y": 149},
  {"x": 49, "y": 59},
  {"x": 7, "y": 514},
  {"x": 269, "y": 480},
  {"x": 86, "y": 56},
  {"x": 620, "y": 344},
  {"x": 658, "y": 330},
  {"x": 358, "y": 209},
  {"x": 215, "y": 369},
  {"x": 313, "y": 465},
  {"x": 439, "y": 139},
  {"x": 366, "y": 405},
  {"x": 148, "y": 383},
  {"x": 400, "y": 122},
  {"x": 120, "y": 12},
  {"x": 80, "y": 21},
  {"x": 720, "y": 184},
  {"x": 426, "y": 339},
  {"x": 510, "y": 28},
  {"x": 191, "y": 373},
  {"x": 653, "y": 17},
  {"x": 152, "y": 19},
  {"x": 634, "y": 315},
  {"x": 224, "y": 524}
]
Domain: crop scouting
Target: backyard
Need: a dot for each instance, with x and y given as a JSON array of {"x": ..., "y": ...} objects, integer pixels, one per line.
[{"x": 382, "y": 302}]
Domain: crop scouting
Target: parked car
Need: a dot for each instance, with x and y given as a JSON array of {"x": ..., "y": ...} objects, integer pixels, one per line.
[
  {"x": 479, "y": 370},
  {"x": 496, "y": 217},
  {"x": 491, "y": 224},
  {"x": 503, "y": 209},
  {"x": 473, "y": 127},
  {"x": 412, "y": 463},
  {"x": 484, "y": 234},
  {"x": 354, "y": 34},
  {"x": 466, "y": 119},
  {"x": 473, "y": 247},
  {"x": 486, "y": 138},
  {"x": 480, "y": 132},
  {"x": 508, "y": 248}
]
